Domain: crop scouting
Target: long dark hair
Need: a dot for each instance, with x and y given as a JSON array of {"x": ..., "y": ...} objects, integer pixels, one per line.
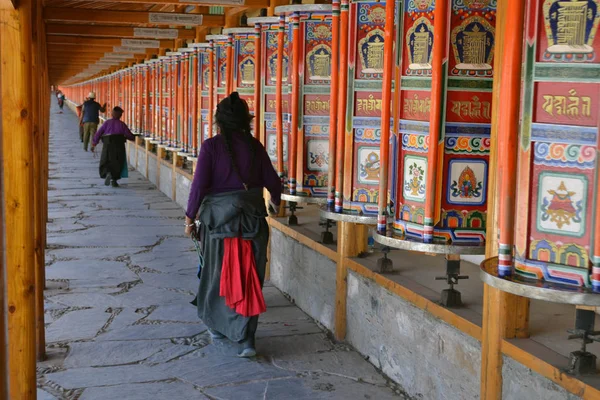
[{"x": 233, "y": 118}]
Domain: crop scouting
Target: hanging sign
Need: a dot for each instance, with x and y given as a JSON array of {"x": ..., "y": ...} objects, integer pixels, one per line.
[
  {"x": 128, "y": 49},
  {"x": 172, "y": 18},
  {"x": 156, "y": 33},
  {"x": 141, "y": 43}
]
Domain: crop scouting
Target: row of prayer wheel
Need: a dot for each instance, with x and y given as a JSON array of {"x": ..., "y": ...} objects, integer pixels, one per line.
[{"x": 326, "y": 80}]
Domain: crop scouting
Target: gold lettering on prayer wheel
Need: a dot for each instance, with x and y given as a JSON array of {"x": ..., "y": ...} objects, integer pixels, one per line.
[
  {"x": 247, "y": 68},
  {"x": 474, "y": 47},
  {"x": 375, "y": 55},
  {"x": 421, "y": 46}
]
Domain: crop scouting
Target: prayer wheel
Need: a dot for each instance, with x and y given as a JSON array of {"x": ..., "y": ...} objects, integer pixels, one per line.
[
  {"x": 273, "y": 129},
  {"x": 243, "y": 69},
  {"x": 219, "y": 46},
  {"x": 174, "y": 88},
  {"x": 204, "y": 83},
  {"x": 192, "y": 85},
  {"x": 355, "y": 153},
  {"x": 156, "y": 101},
  {"x": 164, "y": 92},
  {"x": 439, "y": 170},
  {"x": 135, "y": 92},
  {"x": 183, "y": 97},
  {"x": 548, "y": 235},
  {"x": 310, "y": 53}
]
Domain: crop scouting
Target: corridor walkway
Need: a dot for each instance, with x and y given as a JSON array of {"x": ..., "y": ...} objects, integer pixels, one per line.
[{"x": 118, "y": 320}]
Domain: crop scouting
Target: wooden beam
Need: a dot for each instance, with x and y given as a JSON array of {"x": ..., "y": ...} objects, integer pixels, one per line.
[
  {"x": 233, "y": 15},
  {"x": 80, "y": 15},
  {"x": 273, "y": 4},
  {"x": 58, "y": 39},
  {"x": 18, "y": 197},
  {"x": 8, "y": 4},
  {"x": 105, "y": 31},
  {"x": 247, "y": 3}
]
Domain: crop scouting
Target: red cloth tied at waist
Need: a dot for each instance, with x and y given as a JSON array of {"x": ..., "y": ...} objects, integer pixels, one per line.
[{"x": 239, "y": 281}]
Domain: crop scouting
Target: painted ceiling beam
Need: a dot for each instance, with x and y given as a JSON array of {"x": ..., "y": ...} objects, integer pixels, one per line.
[{"x": 207, "y": 3}]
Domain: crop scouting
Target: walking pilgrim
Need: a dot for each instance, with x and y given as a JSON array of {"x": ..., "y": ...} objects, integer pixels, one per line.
[
  {"x": 113, "y": 160},
  {"x": 90, "y": 118},
  {"x": 227, "y": 198}
]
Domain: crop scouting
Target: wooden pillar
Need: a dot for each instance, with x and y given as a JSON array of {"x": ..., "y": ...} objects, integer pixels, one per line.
[
  {"x": 18, "y": 196},
  {"x": 504, "y": 315},
  {"x": 38, "y": 160},
  {"x": 352, "y": 240}
]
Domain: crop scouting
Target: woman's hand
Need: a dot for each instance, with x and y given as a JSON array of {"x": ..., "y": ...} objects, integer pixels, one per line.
[
  {"x": 274, "y": 207},
  {"x": 189, "y": 226}
]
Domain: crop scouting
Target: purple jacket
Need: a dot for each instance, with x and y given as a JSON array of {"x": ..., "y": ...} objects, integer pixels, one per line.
[
  {"x": 112, "y": 127},
  {"x": 215, "y": 174}
]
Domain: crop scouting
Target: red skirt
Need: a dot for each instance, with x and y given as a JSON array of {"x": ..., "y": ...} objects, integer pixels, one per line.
[{"x": 239, "y": 281}]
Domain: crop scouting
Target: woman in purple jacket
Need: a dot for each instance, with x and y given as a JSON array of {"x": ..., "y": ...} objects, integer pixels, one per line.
[{"x": 226, "y": 196}]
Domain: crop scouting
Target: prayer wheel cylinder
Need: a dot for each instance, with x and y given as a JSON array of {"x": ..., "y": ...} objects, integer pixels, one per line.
[
  {"x": 219, "y": 45},
  {"x": 309, "y": 50},
  {"x": 364, "y": 47},
  {"x": 440, "y": 167},
  {"x": 269, "y": 29},
  {"x": 244, "y": 63},
  {"x": 203, "y": 51},
  {"x": 557, "y": 215}
]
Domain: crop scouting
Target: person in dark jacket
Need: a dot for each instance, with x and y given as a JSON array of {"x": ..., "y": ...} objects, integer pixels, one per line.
[
  {"x": 226, "y": 196},
  {"x": 90, "y": 118},
  {"x": 113, "y": 133}
]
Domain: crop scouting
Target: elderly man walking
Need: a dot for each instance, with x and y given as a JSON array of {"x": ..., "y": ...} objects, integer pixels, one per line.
[{"x": 90, "y": 118}]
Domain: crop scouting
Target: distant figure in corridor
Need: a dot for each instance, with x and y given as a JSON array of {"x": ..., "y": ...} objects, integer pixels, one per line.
[
  {"x": 227, "y": 196},
  {"x": 113, "y": 161},
  {"x": 60, "y": 97},
  {"x": 90, "y": 118}
]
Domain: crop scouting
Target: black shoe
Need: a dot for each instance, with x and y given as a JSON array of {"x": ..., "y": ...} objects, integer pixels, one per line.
[
  {"x": 107, "y": 180},
  {"x": 115, "y": 184}
]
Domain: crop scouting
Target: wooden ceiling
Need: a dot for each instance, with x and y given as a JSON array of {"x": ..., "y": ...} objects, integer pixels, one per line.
[{"x": 79, "y": 33}]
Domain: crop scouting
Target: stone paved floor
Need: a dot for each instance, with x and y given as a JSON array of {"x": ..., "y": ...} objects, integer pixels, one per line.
[{"x": 118, "y": 320}]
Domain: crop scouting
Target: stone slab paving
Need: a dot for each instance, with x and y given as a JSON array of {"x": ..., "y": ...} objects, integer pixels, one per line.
[{"x": 118, "y": 320}]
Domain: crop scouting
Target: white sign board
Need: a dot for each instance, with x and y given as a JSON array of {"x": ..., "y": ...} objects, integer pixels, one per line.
[
  {"x": 141, "y": 43},
  {"x": 129, "y": 49},
  {"x": 156, "y": 33},
  {"x": 172, "y": 18}
]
